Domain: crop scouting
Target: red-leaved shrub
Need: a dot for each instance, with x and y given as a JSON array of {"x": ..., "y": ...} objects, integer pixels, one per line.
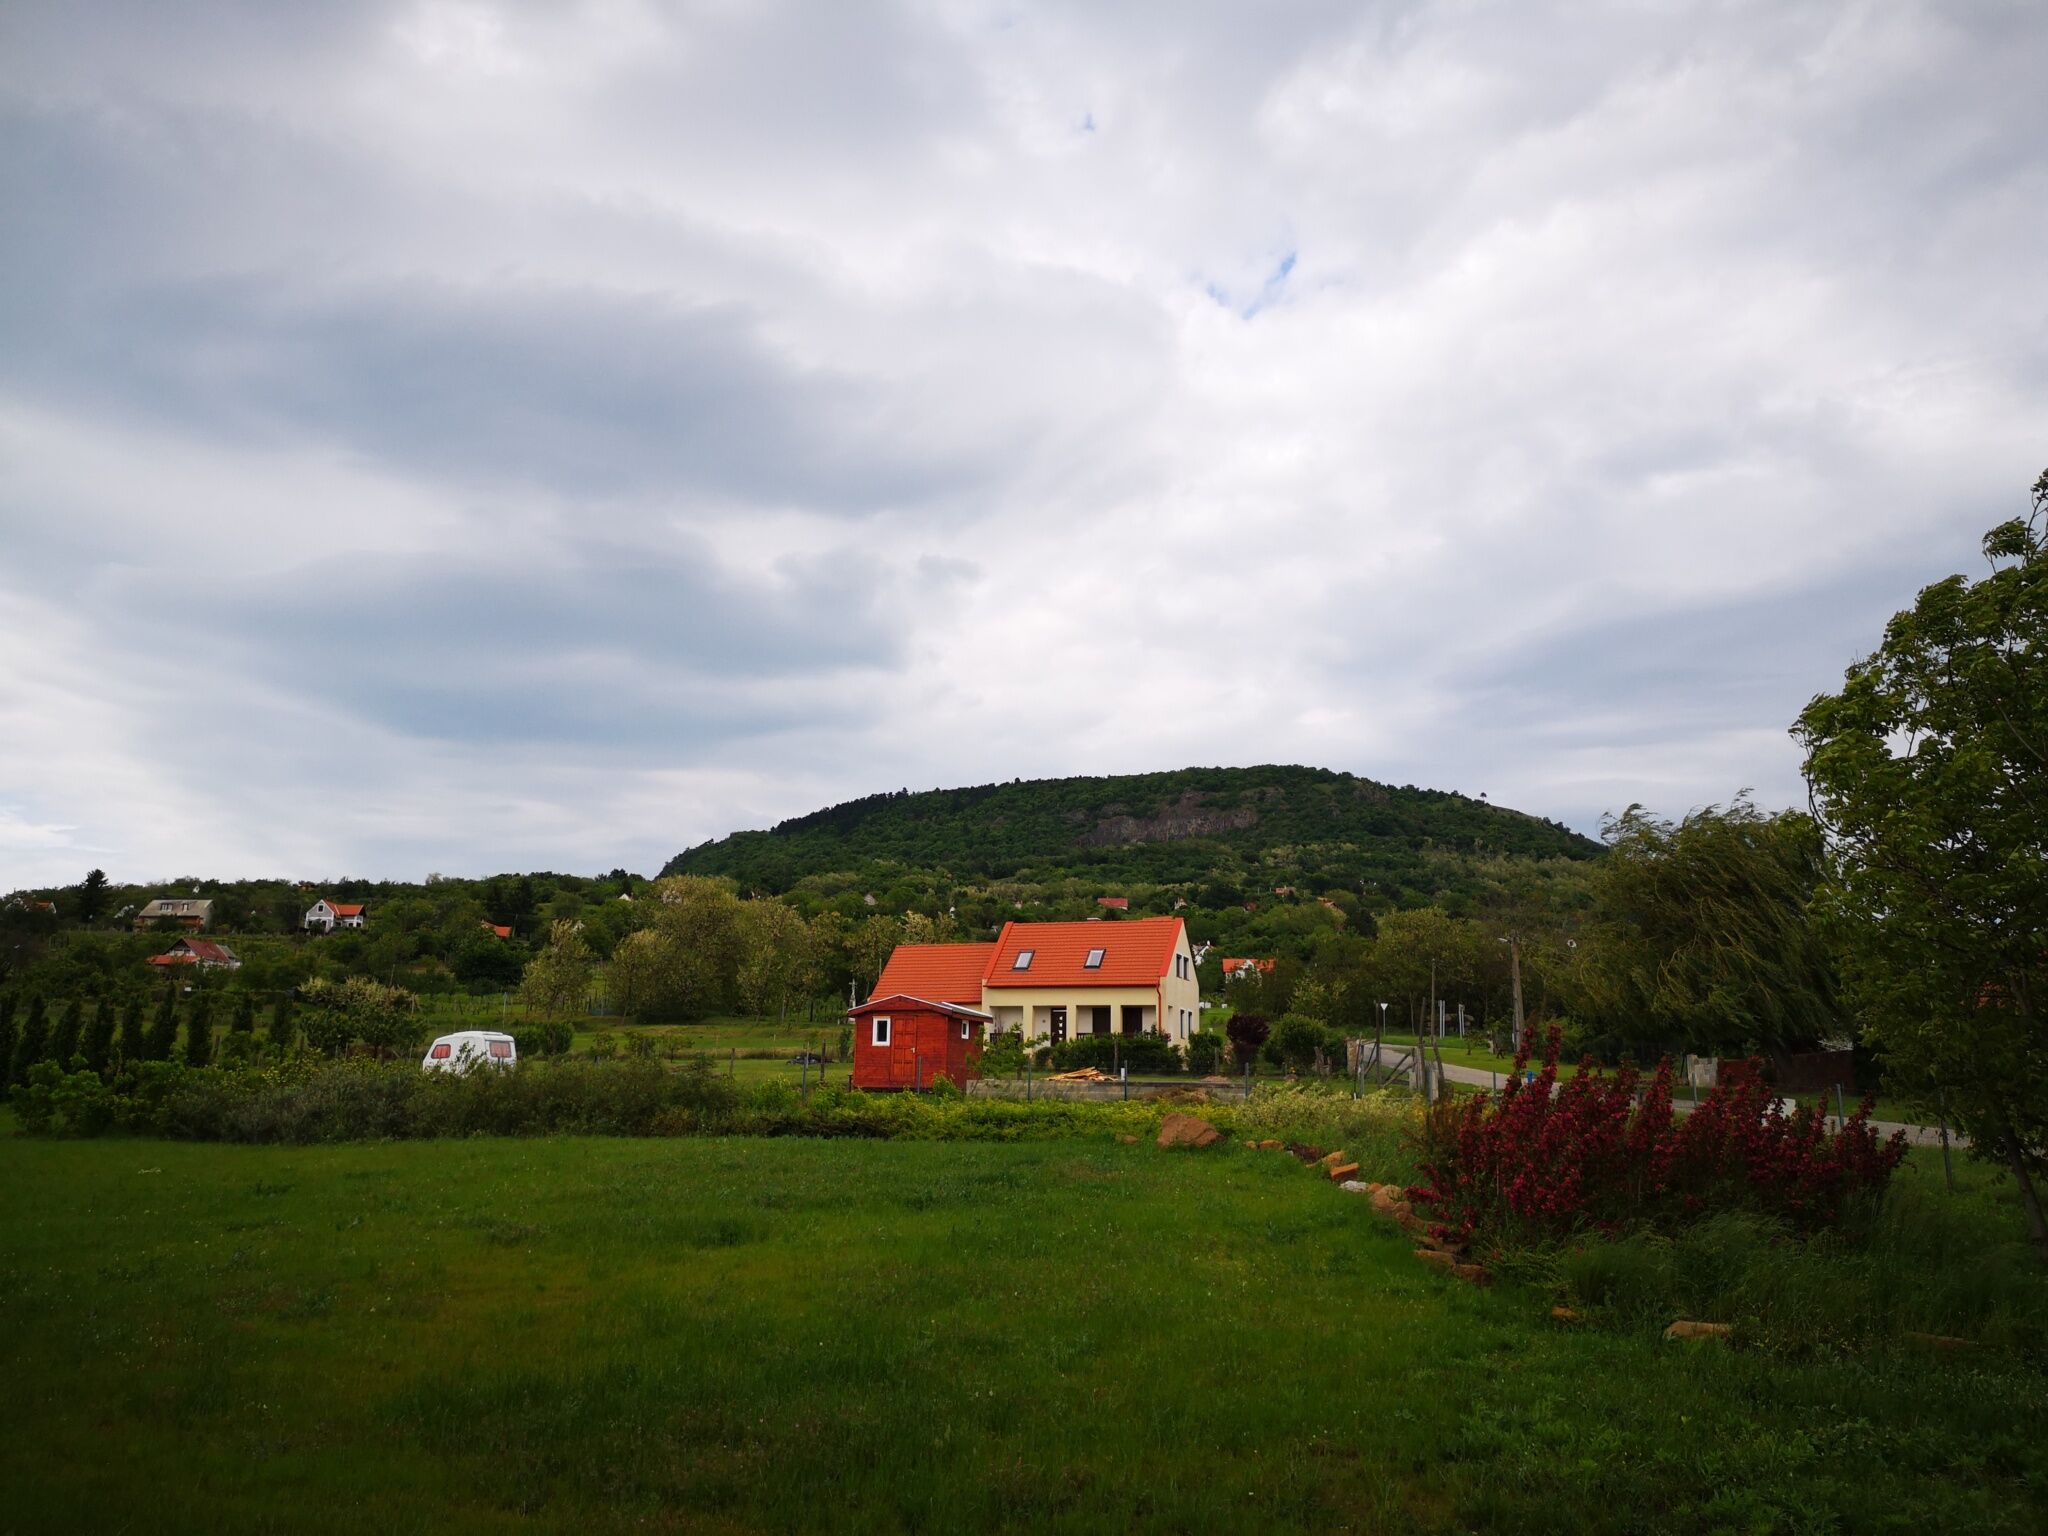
[{"x": 1605, "y": 1150}]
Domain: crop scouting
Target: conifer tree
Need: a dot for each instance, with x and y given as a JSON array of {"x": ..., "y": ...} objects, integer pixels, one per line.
[
  {"x": 134, "y": 1043},
  {"x": 244, "y": 1022},
  {"x": 163, "y": 1032},
  {"x": 97, "y": 1043},
  {"x": 6, "y": 1047},
  {"x": 31, "y": 1044},
  {"x": 199, "y": 1032},
  {"x": 282, "y": 1026},
  {"x": 64, "y": 1038}
]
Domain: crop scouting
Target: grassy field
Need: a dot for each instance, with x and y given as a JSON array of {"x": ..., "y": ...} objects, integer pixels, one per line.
[{"x": 770, "y": 1335}]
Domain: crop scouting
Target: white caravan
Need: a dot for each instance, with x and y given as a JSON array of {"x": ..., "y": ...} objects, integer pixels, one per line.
[{"x": 468, "y": 1048}]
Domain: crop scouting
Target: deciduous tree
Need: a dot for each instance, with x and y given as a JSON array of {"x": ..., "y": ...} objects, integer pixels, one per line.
[
  {"x": 1928, "y": 773},
  {"x": 558, "y": 978}
]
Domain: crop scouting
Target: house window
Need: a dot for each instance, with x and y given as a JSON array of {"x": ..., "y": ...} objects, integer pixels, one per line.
[
  {"x": 1094, "y": 960},
  {"x": 1023, "y": 960},
  {"x": 881, "y": 1030}
]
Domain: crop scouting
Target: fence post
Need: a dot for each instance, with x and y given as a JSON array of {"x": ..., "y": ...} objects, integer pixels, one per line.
[
  {"x": 1841, "y": 1119},
  {"x": 1948, "y": 1172}
]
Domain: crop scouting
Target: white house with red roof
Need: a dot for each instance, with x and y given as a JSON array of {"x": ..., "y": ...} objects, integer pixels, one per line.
[
  {"x": 328, "y": 915},
  {"x": 1050, "y": 981},
  {"x": 1235, "y": 969}
]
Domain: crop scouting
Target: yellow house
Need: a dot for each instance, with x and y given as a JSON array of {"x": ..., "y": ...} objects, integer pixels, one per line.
[{"x": 1052, "y": 981}]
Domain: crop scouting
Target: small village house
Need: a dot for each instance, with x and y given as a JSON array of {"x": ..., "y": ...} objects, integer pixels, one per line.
[
  {"x": 1237, "y": 969},
  {"x": 188, "y": 912},
  {"x": 204, "y": 953},
  {"x": 1051, "y": 981},
  {"x": 325, "y": 916}
]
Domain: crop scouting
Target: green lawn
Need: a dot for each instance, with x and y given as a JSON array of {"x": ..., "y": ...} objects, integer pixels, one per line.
[{"x": 757, "y": 1335}]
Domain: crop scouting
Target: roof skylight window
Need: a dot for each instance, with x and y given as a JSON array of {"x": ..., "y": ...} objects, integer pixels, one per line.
[
  {"x": 1094, "y": 960},
  {"x": 1023, "y": 960}
]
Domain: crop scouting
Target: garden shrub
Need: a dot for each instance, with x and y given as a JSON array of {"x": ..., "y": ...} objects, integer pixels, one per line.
[
  {"x": 550, "y": 1037},
  {"x": 1004, "y": 1055},
  {"x": 1298, "y": 1042},
  {"x": 1145, "y": 1053},
  {"x": 1205, "y": 1052},
  {"x": 1542, "y": 1160}
]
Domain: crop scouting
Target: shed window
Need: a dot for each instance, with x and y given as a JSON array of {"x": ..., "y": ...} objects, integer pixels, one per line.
[
  {"x": 966, "y": 1030},
  {"x": 1023, "y": 960},
  {"x": 881, "y": 1030},
  {"x": 1094, "y": 960}
]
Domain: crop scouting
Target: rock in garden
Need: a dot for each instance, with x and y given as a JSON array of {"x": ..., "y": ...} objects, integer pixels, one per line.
[
  {"x": 1187, "y": 1131},
  {"x": 1353, "y": 1187},
  {"x": 1437, "y": 1257},
  {"x": 1343, "y": 1171},
  {"x": 1473, "y": 1274}
]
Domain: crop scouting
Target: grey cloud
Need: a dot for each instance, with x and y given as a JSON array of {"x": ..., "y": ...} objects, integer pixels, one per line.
[
  {"x": 596, "y": 651},
  {"x": 583, "y": 393}
]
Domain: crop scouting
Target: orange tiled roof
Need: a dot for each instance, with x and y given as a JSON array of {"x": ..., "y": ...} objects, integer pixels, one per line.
[
  {"x": 944, "y": 973},
  {"x": 346, "y": 908},
  {"x": 1238, "y": 965},
  {"x": 1135, "y": 953}
]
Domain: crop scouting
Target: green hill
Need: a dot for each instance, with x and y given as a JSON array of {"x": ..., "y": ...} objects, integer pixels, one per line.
[{"x": 1210, "y": 826}]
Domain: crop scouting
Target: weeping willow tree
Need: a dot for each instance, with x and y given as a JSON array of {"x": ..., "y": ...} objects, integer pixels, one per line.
[{"x": 1700, "y": 938}]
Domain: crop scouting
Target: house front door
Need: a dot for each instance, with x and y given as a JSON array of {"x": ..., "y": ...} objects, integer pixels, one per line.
[{"x": 1057, "y": 1020}]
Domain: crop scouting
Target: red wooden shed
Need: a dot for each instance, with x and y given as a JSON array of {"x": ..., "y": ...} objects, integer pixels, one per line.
[{"x": 907, "y": 1042}]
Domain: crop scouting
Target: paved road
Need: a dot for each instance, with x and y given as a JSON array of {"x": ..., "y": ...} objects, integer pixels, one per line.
[{"x": 1916, "y": 1135}]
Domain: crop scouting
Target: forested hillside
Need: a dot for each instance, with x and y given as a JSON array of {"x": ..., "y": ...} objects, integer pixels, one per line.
[{"x": 1218, "y": 829}]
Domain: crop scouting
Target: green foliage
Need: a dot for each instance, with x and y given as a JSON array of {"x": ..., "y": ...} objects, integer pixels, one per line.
[
  {"x": 199, "y": 1031},
  {"x": 163, "y": 1031},
  {"x": 283, "y": 1027},
  {"x": 1217, "y": 826},
  {"x": 244, "y": 1020},
  {"x": 1300, "y": 1043},
  {"x": 134, "y": 1041},
  {"x": 65, "y": 1036},
  {"x": 550, "y": 1037},
  {"x": 1700, "y": 938},
  {"x": 336, "y": 1015},
  {"x": 684, "y": 963},
  {"x": 96, "y": 1045},
  {"x": 55, "y": 1102},
  {"x": 557, "y": 978},
  {"x": 32, "y": 1044},
  {"x": 1926, "y": 773},
  {"x": 1003, "y": 1056},
  {"x": 1148, "y": 1054},
  {"x": 1206, "y": 1048},
  {"x": 486, "y": 962}
]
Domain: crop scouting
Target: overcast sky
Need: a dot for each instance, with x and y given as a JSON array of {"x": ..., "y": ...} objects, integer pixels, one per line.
[{"x": 470, "y": 436}]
